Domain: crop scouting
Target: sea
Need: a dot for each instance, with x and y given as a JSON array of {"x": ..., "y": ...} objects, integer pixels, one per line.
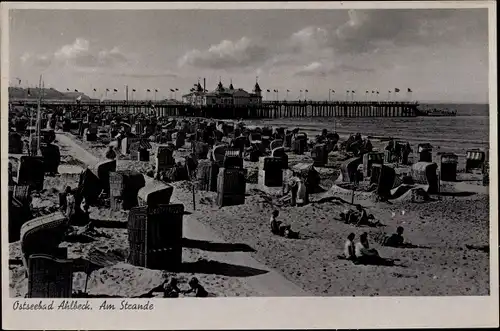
[{"x": 468, "y": 130}]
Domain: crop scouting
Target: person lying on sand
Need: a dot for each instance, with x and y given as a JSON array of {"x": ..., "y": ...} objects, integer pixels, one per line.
[
  {"x": 196, "y": 287},
  {"x": 170, "y": 288},
  {"x": 396, "y": 239},
  {"x": 279, "y": 229},
  {"x": 359, "y": 217}
]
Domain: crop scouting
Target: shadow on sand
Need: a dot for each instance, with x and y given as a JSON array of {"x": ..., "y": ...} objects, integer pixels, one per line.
[
  {"x": 109, "y": 224},
  {"x": 219, "y": 268},
  {"x": 215, "y": 246},
  {"x": 456, "y": 194}
]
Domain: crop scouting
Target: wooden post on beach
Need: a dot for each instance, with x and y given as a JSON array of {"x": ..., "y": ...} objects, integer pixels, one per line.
[
  {"x": 192, "y": 172},
  {"x": 354, "y": 186}
]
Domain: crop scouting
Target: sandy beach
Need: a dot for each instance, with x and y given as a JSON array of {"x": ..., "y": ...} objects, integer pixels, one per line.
[{"x": 232, "y": 252}]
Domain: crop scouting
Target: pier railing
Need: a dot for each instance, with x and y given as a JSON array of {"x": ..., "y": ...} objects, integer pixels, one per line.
[{"x": 266, "y": 109}]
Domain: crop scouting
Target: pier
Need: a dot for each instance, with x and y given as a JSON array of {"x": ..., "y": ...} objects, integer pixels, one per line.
[{"x": 266, "y": 109}]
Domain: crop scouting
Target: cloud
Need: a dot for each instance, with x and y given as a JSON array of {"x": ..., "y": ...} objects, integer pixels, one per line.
[
  {"x": 323, "y": 69},
  {"x": 225, "y": 55},
  {"x": 81, "y": 54},
  {"x": 25, "y": 57},
  {"x": 315, "y": 69},
  {"x": 146, "y": 75},
  {"x": 38, "y": 60},
  {"x": 42, "y": 61},
  {"x": 309, "y": 38},
  {"x": 368, "y": 30}
]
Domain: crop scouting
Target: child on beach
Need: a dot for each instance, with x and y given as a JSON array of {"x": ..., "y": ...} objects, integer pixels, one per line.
[
  {"x": 196, "y": 287},
  {"x": 276, "y": 226},
  {"x": 279, "y": 229},
  {"x": 170, "y": 289}
]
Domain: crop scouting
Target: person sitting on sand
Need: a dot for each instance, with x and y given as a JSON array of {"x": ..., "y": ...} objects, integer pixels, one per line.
[
  {"x": 367, "y": 255},
  {"x": 349, "y": 247},
  {"x": 196, "y": 287},
  {"x": 396, "y": 239},
  {"x": 110, "y": 153},
  {"x": 279, "y": 229},
  {"x": 63, "y": 199},
  {"x": 70, "y": 203},
  {"x": 170, "y": 288},
  {"x": 292, "y": 186}
]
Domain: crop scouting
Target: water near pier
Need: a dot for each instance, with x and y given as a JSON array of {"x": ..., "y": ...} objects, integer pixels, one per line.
[{"x": 469, "y": 129}]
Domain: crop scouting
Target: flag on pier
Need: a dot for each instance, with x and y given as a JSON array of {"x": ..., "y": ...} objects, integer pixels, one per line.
[
  {"x": 156, "y": 90},
  {"x": 288, "y": 90},
  {"x": 148, "y": 90},
  {"x": 268, "y": 90},
  {"x": 133, "y": 90},
  {"x": 115, "y": 90},
  {"x": 353, "y": 91},
  {"x": 409, "y": 90},
  {"x": 178, "y": 89},
  {"x": 378, "y": 92},
  {"x": 367, "y": 92},
  {"x": 76, "y": 90},
  {"x": 67, "y": 89},
  {"x": 275, "y": 90},
  {"x": 373, "y": 91},
  {"x": 333, "y": 91},
  {"x": 307, "y": 91},
  {"x": 172, "y": 90},
  {"x": 107, "y": 90},
  {"x": 396, "y": 90},
  {"x": 95, "y": 90}
]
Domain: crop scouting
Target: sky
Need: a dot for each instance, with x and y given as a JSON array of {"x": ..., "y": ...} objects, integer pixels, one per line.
[{"x": 440, "y": 54}]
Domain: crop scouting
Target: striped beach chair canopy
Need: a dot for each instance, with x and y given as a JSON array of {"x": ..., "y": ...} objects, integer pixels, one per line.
[
  {"x": 232, "y": 152},
  {"x": 145, "y": 144},
  {"x": 475, "y": 154}
]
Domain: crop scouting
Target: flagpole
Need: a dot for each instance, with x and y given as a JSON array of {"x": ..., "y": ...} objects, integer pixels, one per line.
[
  {"x": 38, "y": 114},
  {"x": 155, "y": 94}
]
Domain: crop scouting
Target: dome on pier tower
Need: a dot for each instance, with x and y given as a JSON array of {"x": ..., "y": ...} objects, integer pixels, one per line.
[
  {"x": 256, "y": 88},
  {"x": 220, "y": 87},
  {"x": 231, "y": 85},
  {"x": 199, "y": 88}
]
